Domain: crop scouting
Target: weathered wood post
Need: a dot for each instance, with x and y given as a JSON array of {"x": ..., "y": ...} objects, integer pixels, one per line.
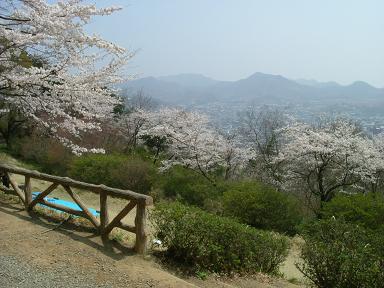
[
  {"x": 16, "y": 188},
  {"x": 104, "y": 216},
  {"x": 140, "y": 223},
  {"x": 83, "y": 207},
  {"x": 27, "y": 191}
]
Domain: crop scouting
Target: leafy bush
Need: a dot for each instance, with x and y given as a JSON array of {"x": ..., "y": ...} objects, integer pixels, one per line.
[
  {"x": 262, "y": 207},
  {"x": 337, "y": 254},
  {"x": 188, "y": 186},
  {"x": 203, "y": 241},
  {"x": 120, "y": 171},
  {"x": 366, "y": 210}
]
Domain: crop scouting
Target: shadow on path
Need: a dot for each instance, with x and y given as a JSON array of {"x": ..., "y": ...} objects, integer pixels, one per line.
[{"x": 108, "y": 247}]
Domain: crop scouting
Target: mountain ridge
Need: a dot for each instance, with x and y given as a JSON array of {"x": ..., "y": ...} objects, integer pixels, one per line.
[{"x": 191, "y": 88}]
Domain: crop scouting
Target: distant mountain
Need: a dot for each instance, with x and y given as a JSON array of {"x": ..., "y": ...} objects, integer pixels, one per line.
[
  {"x": 196, "y": 89},
  {"x": 162, "y": 91},
  {"x": 315, "y": 83},
  {"x": 189, "y": 80},
  {"x": 260, "y": 87}
]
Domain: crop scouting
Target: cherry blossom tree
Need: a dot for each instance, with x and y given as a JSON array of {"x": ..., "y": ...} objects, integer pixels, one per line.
[
  {"x": 237, "y": 155},
  {"x": 55, "y": 72},
  {"x": 324, "y": 160},
  {"x": 192, "y": 143},
  {"x": 378, "y": 185}
]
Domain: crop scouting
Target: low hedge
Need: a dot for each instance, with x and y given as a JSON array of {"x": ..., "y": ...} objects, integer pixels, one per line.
[
  {"x": 341, "y": 255},
  {"x": 114, "y": 170},
  {"x": 262, "y": 207},
  {"x": 207, "y": 242},
  {"x": 365, "y": 210},
  {"x": 188, "y": 187}
]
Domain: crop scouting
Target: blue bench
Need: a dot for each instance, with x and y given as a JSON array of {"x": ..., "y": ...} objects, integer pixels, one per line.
[{"x": 68, "y": 204}]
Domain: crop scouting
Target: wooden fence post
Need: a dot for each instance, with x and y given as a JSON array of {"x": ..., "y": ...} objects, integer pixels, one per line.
[
  {"x": 83, "y": 207},
  {"x": 141, "y": 233},
  {"x": 16, "y": 188},
  {"x": 104, "y": 217},
  {"x": 28, "y": 191}
]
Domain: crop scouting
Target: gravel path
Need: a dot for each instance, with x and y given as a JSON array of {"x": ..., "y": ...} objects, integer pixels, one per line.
[{"x": 14, "y": 273}]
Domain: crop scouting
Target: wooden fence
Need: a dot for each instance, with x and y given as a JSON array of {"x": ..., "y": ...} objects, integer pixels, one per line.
[{"x": 103, "y": 224}]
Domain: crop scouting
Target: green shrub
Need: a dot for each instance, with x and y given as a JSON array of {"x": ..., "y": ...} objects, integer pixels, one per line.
[
  {"x": 120, "y": 171},
  {"x": 337, "y": 254},
  {"x": 188, "y": 186},
  {"x": 262, "y": 207},
  {"x": 207, "y": 242},
  {"x": 366, "y": 210}
]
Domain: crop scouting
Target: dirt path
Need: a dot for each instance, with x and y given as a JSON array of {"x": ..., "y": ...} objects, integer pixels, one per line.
[
  {"x": 30, "y": 250},
  {"x": 65, "y": 249}
]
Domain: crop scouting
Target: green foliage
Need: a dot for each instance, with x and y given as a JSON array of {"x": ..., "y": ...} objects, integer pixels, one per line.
[
  {"x": 263, "y": 207},
  {"x": 207, "y": 242},
  {"x": 366, "y": 210},
  {"x": 156, "y": 144},
  {"x": 201, "y": 275},
  {"x": 188, "y": 186},
  {"x": 118, "y": 235},
  {"x": 13, "y": 123},
  {"x": 118, "y": 110},
  {"x": 338, "y": 254},
  {"x": 120, "y": 171}
]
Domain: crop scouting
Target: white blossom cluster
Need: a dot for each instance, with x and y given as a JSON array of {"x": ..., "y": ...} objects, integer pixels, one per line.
[
  {"x": 54, "y": 71},
  {"x": 192, "y": 142},
  {"x": 328, "y": 158}
]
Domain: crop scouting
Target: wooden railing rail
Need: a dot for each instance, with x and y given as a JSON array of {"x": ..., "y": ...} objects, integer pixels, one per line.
[{"x": 103, "y": 224}]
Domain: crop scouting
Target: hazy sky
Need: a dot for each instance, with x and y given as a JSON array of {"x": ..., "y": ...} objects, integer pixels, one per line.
[{"x": 341, "y": 40}]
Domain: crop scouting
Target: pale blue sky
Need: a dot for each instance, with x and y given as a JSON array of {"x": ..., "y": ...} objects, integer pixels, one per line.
[{"x": 340, "y": 40}]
